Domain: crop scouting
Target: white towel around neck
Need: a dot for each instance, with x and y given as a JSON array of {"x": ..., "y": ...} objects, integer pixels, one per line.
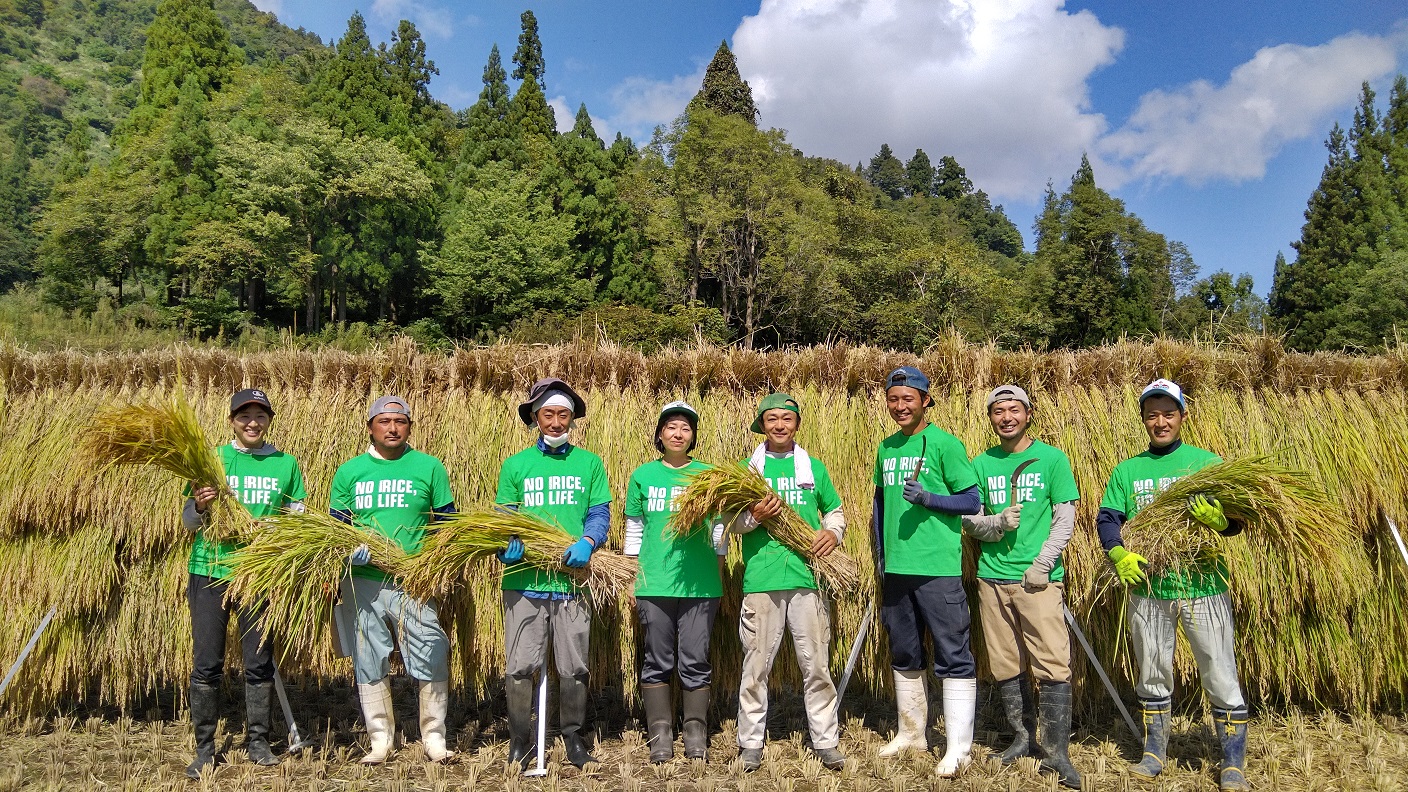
[{"x": 800, "y": 461}]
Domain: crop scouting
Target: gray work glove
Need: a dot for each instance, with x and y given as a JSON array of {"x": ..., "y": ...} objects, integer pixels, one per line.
[{"x": 1035, "y": 579}]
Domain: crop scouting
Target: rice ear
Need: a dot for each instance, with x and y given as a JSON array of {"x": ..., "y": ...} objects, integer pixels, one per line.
[
  {"x": 464, "y": 544},
  {"x": 729, "y": 490}
]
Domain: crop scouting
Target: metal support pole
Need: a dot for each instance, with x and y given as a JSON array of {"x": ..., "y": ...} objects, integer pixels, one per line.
[
  {"x": 1100, "y": 669},
  {"x": 33, "y": 639}
]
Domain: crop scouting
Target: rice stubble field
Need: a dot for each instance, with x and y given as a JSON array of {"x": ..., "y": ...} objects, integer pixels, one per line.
[{"x": 110, "y": 553}]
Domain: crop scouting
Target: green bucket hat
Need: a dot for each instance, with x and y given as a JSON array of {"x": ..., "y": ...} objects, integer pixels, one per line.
[{"x": 775, "y": 401}]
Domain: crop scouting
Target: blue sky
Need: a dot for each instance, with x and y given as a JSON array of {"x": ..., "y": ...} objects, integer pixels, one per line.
[{"x": 1206, "y": 118}]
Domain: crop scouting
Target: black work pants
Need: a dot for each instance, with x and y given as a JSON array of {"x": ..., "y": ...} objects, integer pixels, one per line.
[
  {"x": 677, "y": 632},
  {"x": 210, "y": 621},
  {"x": 917, "y": 604}
]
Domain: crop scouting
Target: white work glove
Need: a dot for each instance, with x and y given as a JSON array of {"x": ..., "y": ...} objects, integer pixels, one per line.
[
  {"x": 1011, "y": 517},
  {"x": 361, "y": 556}
]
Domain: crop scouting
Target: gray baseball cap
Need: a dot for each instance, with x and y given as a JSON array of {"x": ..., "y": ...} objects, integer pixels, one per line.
[
  {"x": 389, "y": 404},
  {"x": 1008, "y": 393}
]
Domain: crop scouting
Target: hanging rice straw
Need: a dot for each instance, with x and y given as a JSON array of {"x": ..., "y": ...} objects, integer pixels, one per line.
[
  {"x": 1278, "y": 506},
  {"x": 293, "y": 567},
  {"x": 167, "y": 436},
  {"x": 461, "y": 545},
  {"x": 730, "y": 489}
]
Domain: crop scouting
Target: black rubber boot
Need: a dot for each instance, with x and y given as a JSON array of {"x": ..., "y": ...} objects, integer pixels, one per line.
[
  {"x": 1231, "y": 728},
  {"x": 205, "y": 713},
  {"x": 1158, "y": 717},
  {"x": 659, "y": 719},
  {"x": 258, "y": 699},
  {"x": 520, "y": 720},
  {"x": 696, "y": 722},
  {"x": 572, "y": 698},
  {"x": 1054, "y": 732},
  {"x": 1016, "y": 694}
]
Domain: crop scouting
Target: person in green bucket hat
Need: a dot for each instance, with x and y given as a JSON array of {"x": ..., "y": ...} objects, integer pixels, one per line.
[{"x": 780, "y": 591}]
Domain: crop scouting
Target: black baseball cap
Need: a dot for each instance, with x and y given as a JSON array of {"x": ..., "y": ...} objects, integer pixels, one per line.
[{"x": 250, "y": 396}]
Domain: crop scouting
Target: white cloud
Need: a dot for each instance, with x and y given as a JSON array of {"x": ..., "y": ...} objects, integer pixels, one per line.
[
  {"x": 999, "y": 84},
  {"x": 1201, "y": 131},
  {"x": 641, "y": 104},
  {"x": 275, "y": 7},
  {"x": 456, "y": 96},
  {"x": 430, "y": 19},
  {"x": 1004, "y": 86},
  {"x": 561, "y": 113},
  {"x": 567, "y": 118}
]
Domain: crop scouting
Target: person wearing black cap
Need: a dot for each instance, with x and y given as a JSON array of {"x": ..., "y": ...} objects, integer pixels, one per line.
[
  {"x": 677, "y": 589},
  {"x": 397, "y": 491},
  {"x": 567, "y": 486},
  {"x": 1029, "y": 499},
  {"x": 924, "y": 484},
  {"x": 265, "y": 481},
  {"x": 1195, "y": 597}
]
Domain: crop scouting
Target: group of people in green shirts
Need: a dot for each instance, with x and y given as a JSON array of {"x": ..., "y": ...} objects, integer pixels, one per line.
[{"x": 1018, "y": 499}]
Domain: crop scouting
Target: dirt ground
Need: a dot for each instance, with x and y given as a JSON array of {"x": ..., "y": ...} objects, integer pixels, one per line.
[{"x": 94, "y": 750}]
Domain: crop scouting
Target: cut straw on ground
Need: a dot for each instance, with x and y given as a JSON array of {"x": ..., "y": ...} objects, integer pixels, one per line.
[
  {"x": 464, "y": 545},
  {"x": 293, "y": 567},
  {"x": 730, "y": 489}
]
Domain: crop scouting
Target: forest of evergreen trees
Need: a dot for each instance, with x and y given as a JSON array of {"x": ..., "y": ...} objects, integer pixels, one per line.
[{"x": 195, "y": 165}]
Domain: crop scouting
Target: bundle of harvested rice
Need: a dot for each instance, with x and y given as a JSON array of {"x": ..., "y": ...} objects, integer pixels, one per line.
[
  {"x": 455, "y": 555},
  {"x": 730, "y": 489},
  {"x": 293, "y": 566},
  {"x": 1280, "y": 505},
  {"x": 167, "y": 436}
]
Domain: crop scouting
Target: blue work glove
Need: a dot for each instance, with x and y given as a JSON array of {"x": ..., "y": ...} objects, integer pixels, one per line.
[
  {"x": 579, "y": 553},
  {"x": 915, "y": 493},
  {"x": 360, "y": 557},
  {"x": 513, "y": 553}
]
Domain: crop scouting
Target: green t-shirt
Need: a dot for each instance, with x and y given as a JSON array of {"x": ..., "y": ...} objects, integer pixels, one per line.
[
  {"x": 1046, "y": 481},
  {"x": 670, "y": 566},
  {"x": 394, "y": 497},
  {"x": 1133, "y": 484},
  {"x": 769, "y": 565},
  {"x": 263, "y": 485},
  {"x": 920, "y": 541},
  {"x": 556, "y": 488}
]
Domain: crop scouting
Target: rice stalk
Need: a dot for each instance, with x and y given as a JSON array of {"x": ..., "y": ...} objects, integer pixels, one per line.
[
  {"x": 167, "y": 436},
  {"x": 1278, "y": 505},
  {"x": 462, "y": 545},
  {"x": 292, "y": 567},
  {"x": 730, "y": 489}
]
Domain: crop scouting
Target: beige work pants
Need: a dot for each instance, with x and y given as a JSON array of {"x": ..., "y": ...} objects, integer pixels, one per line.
[{"x": 764, "y": 617}]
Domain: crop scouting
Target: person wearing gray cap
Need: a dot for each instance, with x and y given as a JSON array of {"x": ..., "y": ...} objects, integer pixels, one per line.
[
  {"x": 264, "y": 481},
  {"x": 397, "y": 491},
  {"x": 1029, "y": 513}
]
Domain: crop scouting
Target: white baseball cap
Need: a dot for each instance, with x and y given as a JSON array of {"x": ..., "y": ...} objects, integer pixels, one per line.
[{"x": 1163, "y": 387}]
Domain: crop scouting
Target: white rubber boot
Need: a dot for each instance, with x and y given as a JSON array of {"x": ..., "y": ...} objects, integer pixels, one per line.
[
  {"x": 912, "y": 701},
  {"x": 381, "y": 723},
  {"x": 434, "y": 701},
  {"x": 960, "y": 706}
]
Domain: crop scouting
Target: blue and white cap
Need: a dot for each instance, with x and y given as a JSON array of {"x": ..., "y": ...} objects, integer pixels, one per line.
[{"x": 1163, "y": 387}]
